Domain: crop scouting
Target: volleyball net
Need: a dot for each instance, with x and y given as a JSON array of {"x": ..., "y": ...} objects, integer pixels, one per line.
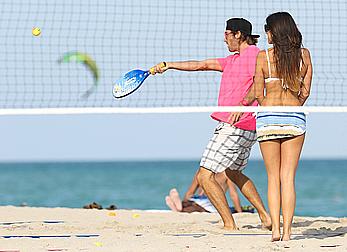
[{"x": 81, "y": 46}]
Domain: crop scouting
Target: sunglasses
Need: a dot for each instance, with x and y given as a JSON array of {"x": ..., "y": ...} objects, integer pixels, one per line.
[
  {"x": 266, "y": 28},
  {"x": 226, "y": 34}
]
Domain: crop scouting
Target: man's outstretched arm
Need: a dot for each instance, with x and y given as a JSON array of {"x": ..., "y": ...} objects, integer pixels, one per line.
[{"x": 192, "y": 65}]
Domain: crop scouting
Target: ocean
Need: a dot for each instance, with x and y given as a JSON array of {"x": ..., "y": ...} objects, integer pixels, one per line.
[{"x": 144, "y": 184}]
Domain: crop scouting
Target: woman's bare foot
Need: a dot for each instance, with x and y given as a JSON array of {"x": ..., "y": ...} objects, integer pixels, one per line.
[
  {"x": 276, "y": 236},
  {"x": 285, "y": 237},
  {"x": 175, "y": 198},
  {"x": 170, "y": 204}
]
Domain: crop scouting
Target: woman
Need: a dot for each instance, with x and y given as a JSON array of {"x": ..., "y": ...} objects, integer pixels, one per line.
[
  {"x": 284, "y": 72},
  {"x": 195, "y": 199}
]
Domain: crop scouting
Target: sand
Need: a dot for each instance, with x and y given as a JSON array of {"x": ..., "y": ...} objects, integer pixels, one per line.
[{"x": 136, "y": 230}]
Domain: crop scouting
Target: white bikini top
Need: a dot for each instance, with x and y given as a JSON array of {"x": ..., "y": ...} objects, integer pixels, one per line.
[{"x": 270, "y": 78}]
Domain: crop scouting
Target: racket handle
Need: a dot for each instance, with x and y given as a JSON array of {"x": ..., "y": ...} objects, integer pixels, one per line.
[{"x": 152, "y": 70}]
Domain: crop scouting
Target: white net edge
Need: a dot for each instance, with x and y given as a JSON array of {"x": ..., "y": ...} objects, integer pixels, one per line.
[{"x": 165, "y": 110}]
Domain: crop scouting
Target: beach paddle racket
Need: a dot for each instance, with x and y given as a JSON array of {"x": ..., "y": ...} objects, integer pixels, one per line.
[{"x": 131, "y": 81}]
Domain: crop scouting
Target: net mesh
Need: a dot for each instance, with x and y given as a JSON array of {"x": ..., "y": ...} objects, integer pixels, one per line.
[{"x": 132, "y": 34}]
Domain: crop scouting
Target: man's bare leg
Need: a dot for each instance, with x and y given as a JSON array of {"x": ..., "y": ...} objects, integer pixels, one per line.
[
  {"x": 217, "y": 197},
  {"x": 248, "y": 189}
]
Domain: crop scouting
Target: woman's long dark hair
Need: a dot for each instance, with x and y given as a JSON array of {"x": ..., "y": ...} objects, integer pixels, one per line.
[{"x": 287, "y": 43}]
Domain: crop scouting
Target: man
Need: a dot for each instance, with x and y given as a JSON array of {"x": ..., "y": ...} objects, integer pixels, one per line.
[
  {"x": 199, "y": 202},
  {"x": 230, "y": 146}
]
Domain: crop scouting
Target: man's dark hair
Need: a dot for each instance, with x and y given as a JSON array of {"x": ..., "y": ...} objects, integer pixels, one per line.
[{"x": 248, "y": 38}]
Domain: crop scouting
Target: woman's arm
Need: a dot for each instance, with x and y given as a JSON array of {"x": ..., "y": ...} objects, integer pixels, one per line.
[
  {"x": 192, "y": 188},
  {"x": 256, "y": 92},
  {"x": 306, "y": 86},
  {"x": 234, "y": 196},
  {"x": 193, "y": 65}
]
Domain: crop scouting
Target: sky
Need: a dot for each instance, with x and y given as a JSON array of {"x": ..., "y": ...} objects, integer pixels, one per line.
[
  {"x": 142, "y": 137},
  {"x": 124, "y": 35}
]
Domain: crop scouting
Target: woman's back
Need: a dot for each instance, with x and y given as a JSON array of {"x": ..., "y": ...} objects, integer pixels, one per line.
[{"x": 277, "y": 91}]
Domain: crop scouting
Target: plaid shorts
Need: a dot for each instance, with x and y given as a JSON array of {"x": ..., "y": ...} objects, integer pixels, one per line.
[{"x": 229, "y": 148}]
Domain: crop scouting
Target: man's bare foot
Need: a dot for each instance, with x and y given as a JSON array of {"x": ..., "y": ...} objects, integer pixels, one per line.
[
  {"x": 266, "y": 223},
  {"x": 266, "y": 226},
  {"x": 175, "y": 198},
  {"x": 170, "y": 204},
  {"x": 231, "y": 228}
]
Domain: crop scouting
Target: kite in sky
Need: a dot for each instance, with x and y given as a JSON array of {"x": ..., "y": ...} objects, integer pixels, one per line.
[{"x": 88, "y": 62}]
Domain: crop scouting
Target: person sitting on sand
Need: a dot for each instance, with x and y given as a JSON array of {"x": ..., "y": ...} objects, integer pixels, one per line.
[{"x": 199, "y": 202}]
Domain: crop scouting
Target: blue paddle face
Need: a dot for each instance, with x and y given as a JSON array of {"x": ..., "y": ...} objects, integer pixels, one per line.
[{"x": 129, "y": 83}]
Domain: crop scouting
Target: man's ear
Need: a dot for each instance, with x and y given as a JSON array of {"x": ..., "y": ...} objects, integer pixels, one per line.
[{"x": 238, "y": 35}]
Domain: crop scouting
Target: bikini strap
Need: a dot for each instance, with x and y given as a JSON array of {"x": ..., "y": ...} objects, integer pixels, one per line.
[
  {"x": 268, "y": 62},
  {"x": 302, "y": 58}
]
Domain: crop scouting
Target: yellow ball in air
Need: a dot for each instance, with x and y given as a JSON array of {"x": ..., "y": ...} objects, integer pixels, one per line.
[{"x": 36, "y": 31}]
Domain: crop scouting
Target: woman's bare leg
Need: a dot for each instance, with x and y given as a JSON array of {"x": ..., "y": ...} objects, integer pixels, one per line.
[
  {"x": 271, "y": 151},
  {"x": 290, "y": 154}
]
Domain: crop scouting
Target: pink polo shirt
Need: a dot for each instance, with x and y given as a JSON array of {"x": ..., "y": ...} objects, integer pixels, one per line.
[{"x": 237, "y": 79}]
